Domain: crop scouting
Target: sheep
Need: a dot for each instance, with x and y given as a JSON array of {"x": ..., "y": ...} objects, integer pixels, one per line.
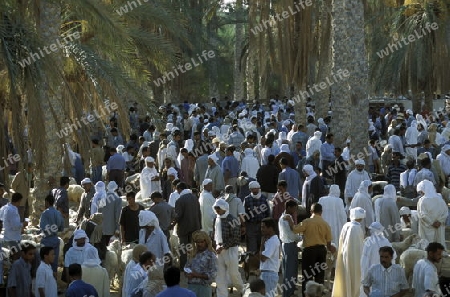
[
  {"x": 74, "y": 193},
  {"x": 408, "y": 259},
  {"x": 111, "y": 264},
  {"x": 250, "y": 261},
  {"x": 400, "y": 247}
]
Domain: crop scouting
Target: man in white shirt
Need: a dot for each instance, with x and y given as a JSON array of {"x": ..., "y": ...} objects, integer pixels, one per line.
[
  {"x": 11, "y": 223},
  {"x": 45, "y": 281},
  {"x": 206, "y": 201},
  {"x": 270, "y": 254},
  {"x": 289, "y": 249},
  {"x": 425, "y": 277},
  {"x": 385, "y": 279},
  {"x": 409, "y": 219}
]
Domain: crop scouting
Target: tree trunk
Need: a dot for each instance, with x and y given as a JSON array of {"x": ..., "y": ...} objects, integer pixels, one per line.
[
  {"x": 238, "y": 67},
  {"x": 49, "y": 27}
]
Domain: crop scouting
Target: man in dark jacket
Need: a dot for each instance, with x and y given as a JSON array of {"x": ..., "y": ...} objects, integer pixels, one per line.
[{"x": 267, "y": 177}]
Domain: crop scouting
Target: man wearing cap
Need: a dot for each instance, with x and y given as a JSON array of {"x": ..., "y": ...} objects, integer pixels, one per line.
[
  {"x": 215, "y": 173},
  {"x": 354, "y": 179},
  {"x": 256, "y": 209},
  {"x": 148, "y": 176},
  {"x": 151, "y": 235},
  {"x": 172, "y": 174},
  {"x": 226, "y": 236},
  {"x": 206, "y": 201},
  {"x": 347, "y": 279},
  {"x": 116, "y": 167},
  {"x": 230, "y": 168},
  {"x": 396, "y": 141},
  {"x": 84, "y": 210}
]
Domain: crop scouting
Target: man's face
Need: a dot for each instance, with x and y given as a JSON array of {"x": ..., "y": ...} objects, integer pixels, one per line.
[
  {"x": 197, "y": 137},
  {"x": 29, "y": 256},
  {"x": 168, "y": 163},
  {"x": 330, "y": 139},
  {"x": 254, "y": 191},
  {"x": 87, "y": 187},
  {"x": 81, "y": 242},
  {"x": 291, "y": 210},
  {"x": 298, "y": 146},
  {"x": 337, "y": 153},
  {"x": 281, "y": 189},
  {"x": 385, "y": 259},
  {"x": 264, "y": 230},
  {"x": 360, "y": 167},
  {"x": 208, "y": 187},
  {"x": 219, "y": 211},
  {"x": 435, "y": 257},
  {"x": 201, "y": 245},
  {"x": 150, "y": 164},
  {"x": 211, "y": 162},
  {"x": 131, "y": 201},
  {"x": 149, "y": 229},
  {"x": 177, "y": 138},
  {"x": 51, "y": 256}
]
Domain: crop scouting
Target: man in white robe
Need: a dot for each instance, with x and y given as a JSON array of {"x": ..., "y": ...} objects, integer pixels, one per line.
[
  {"x": 354, "y": 180},
  {"x": 249, "y": 163},
  {"x": 347, "y": 280},
  {"x": 444, "y": 160},
  {"x": 363, "y": 199},
  {"x": 411, "y": 135},
  {"x": 149, "y": 178},
  {"x": 432, "y": 211},
  {"x": 333, "y": 212},
  {"x": 313, "y": 144},
  {"x": 425, "y": 276},
  {"x": 386, "y": 212},
  {"x": 207, "y": 201},
  {"x": 370, "y": 253}
]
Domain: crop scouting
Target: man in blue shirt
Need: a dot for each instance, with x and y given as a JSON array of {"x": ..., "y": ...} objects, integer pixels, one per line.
[
  {"x": 19, "y": 278},
  {"x": 230, "y": 168},
  {"x": 62, "y": 199},
  {"x": 172, "y": 279},
  {"x": 327, "y": 154},
  {"x": 77, "y": 287},
  {"x": 115, "y": 167},
  {"x": 50, "y": 224}
]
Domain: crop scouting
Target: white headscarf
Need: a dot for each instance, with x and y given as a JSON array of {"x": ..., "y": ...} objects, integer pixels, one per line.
[
  {"x": 99, "y": 197},
  {"x": 148, "y": 218},
  {"x": 91, "y": 258},
  {"x": 285, "y": 148},
  {"x": 78, "y": 234},
  {"x": 404, "y": 211},
  {"x": 172, "y": 171},
  {"x": 222, "y": 204},
  {"x": 112, "y": 187},
  {"x": 334, "y": 191},
  {"x": 248, "y": 152},
  {"x": 428, "y": 188},
  {"x": 357, "y": 213},
  {"x": 364, "y": 187},
  {"x": 311, "y": 174},
  {"x": 376, "y": 229},
  {"x": 390, "y": 192}
]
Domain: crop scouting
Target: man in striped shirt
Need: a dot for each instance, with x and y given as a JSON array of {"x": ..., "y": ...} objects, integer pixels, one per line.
[{"x": 385, "y": 279}]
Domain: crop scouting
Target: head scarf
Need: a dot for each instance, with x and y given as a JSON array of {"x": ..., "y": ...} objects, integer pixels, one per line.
[
  {"x": 172, "y": 171},
  {"x": 428, "y": 188},
  {"x": 112, "y": 186},
  {"x": 404, "y": 211},
  {"x": 214, "y": 158},
  {"x": 207, "y": 182},
  {"x": 149, "y": 160},
  {"x": 357, "y": 213},
  {"x": 248, "y": 152},
  {"x": 100, "y": 194},
  {"x": 360, "y": 162},
  {"x": 390, "y": 192},
  {"x": 138, "y": 250},
  {"x": 321, "y": 121},
  {"x": 310, "y": 171},
  {"x": 317, "y": 134},
  {"x": 91, "y": 258},
  {"x": 86, "y": 181},
  {"x": 285, "y": 148},
  {"x": 223, "y": 205},
  {"x": 364, "y": 186},
  {"x": 335, "y": 191},
  {"x": 120, "y": 148},
  {"x": 78, "y": 234},
  {"x": 254, "y": 185},
  {"x": 376, "y": 229},
  {"x": 200, "y": 236},
  {"x": 148, "y": 218}
]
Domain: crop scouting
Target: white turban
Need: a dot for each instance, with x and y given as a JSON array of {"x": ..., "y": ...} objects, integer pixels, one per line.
[
  {"x": 445, "y": 148},
  {"x": 308, "y": 169},
  {"x": 172, "y": 171},
  {"x": 404, "y": 211},
  {"x": 91, "y": 258},
  {"x": 149, "y": 160},
  {"x": 360, "y": 162},
  {"x": 376, "y": 228},
  {"x": 285, "y": 148},
  {"x": 148, "y": 218},
  {"x": 222, "y": 204},
  {"x": 214, "y": 158},
  {"x": 335, "y": 191},
  {"x": 86, "y": 181},
  {"x": 321, "y": 121},
  {"x": 112, "y": 186},
  {"x": 357, "y": 213},
  {"x": 318, "y": 134},
  {"x": 428, "y": 188},
  {"x": 207, "y": 182},
  {"x": 120, "y": 148},
  {"x": 254, "y": 185},
  {"x": 79, "y": 233}
]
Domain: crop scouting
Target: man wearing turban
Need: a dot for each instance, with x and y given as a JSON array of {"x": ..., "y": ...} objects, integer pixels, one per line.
[{"x": 149, "y": 178}]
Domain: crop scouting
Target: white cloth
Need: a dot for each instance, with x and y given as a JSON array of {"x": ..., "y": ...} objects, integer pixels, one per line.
[
  {"x": 431, "y": 208},
  {"x": 173, "y": 198},
  {"x": 45, "y": 280},
  {"x": 425, "y": 278},
  {"x": 348, "y": 267},
  {"x": 411, "y": 135},
  {"x": 272, "y": 252},
  {"x": 286, "y": 234},
  {"x": 148, "y": 218},
  {"x": 148, "y": 186},
  {"x": 99, "y": 197},
  {"x": 126, "y": 275},
  {"x": 362, "y": 199},
  {"x": 249, "y": 163},
  {"x": 386, "y": 212},
  {"x": 333, "y": 212},
  {"x": 407, "y": 177},
  {"x": 444, "y": 160},
  {"x": 313, "y": 144},
  {"x": 98, "y": 277},
  {"x": 218, "y": 225},
  {"x": 353, "y": 182},
  {"x": 206, "y": 201},
  {"x": 414, "y": 222},
  {"x": 228, "y": 271},
  {"x": 311, "y": 174}
]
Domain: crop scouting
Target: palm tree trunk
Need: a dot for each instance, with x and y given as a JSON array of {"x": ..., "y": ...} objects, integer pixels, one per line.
[
  {"x": 49, "y": 27},
  {"x": 238, "y": 69}
]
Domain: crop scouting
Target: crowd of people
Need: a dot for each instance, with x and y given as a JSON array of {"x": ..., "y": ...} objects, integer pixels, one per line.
[{"x": 221, "y": 176}]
